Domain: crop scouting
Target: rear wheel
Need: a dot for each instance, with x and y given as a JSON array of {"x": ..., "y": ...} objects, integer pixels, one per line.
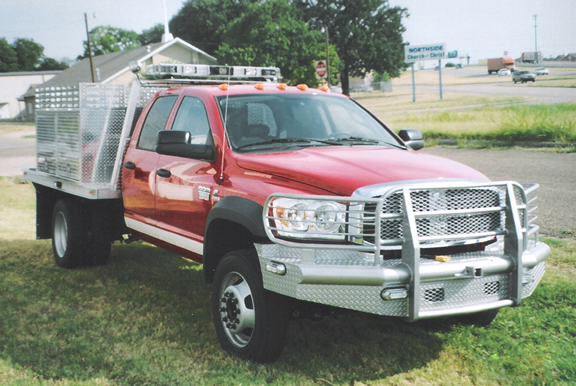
[
  {"x": 79, "y": 237},
  {"x": 250, "y": 321},
  {"x": 66, "y": 234}
]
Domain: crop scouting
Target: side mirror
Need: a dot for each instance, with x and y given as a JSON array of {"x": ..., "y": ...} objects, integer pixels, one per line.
[
  {"x": 177, "y": 143},
  {"x": 412, "y": 138}
]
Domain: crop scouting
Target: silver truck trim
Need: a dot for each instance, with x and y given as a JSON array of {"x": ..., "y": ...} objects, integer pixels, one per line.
[
  {"x": 391, "y": 272},
  {"x": 161, "y": 234},
  {"x": 89, "y": 191},
  {"x": 356, "y": 275}
]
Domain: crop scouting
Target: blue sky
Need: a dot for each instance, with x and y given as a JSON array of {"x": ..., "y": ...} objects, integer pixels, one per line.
[{"x": 479, "y": 28}]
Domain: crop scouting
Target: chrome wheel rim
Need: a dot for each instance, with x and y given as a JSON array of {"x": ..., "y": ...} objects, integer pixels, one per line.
[
  {"x": 237, "y": 309},
  {"x": 60, "y": 234}
]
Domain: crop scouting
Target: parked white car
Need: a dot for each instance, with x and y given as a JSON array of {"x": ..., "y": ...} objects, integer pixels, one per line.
[
  {"x": 503, "y": 72},
  {"x": 541, "y": 71}
]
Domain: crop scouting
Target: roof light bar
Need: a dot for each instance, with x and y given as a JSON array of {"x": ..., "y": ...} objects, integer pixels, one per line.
[{"x": 212, "y": 71}]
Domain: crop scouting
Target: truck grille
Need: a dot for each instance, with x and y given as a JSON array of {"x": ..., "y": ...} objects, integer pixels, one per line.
[{"x": 447, "y": 201}]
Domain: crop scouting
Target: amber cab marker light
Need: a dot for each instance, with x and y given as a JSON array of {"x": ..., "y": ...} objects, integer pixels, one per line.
[
  {"x": 325, "y": 88},
  {"x": 302, "y": 87},
  {"x": 223, "y": 86},
  {"x": 259, "y": 86},
  {"x": 282, "y": 86}
]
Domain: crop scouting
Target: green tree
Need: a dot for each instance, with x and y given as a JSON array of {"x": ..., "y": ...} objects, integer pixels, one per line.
[
  {"x": 152, "y": 35},
  {"x": 8, "y": 57},
  {"x": 49, "y": 64},
  {"x": 267, "y": 34},
  {"x": 203, "y": 22},
  {"x": 29, "y": 54},
  {"x": 367, "y": 34},
  {"x": 105, "y": 40}
]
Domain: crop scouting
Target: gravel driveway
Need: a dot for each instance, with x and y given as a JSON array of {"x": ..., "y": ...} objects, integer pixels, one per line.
[{"x": 554, "y": 172}]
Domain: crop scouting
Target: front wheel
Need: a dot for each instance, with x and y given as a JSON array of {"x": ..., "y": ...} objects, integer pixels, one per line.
[{"x": 250, "y": 321}]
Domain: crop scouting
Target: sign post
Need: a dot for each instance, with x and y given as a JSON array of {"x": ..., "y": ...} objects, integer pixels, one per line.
[{"x": 414, "y": 54}]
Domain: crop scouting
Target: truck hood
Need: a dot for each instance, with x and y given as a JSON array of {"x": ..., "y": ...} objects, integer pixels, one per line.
[{"x": 342, "y": 170}]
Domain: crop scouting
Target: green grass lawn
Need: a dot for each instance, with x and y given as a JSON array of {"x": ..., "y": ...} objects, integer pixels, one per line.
[
  {"x": 144, "y": 319},
  {"x": 478, "y": 118}
]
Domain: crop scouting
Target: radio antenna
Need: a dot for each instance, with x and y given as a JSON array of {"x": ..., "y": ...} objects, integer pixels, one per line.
[{"x": 225, "y": 139}]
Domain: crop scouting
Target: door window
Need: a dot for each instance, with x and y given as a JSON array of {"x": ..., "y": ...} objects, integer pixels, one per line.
[
  {"x": 155, "y": 121},
  {"x": 192, "y": 117}
]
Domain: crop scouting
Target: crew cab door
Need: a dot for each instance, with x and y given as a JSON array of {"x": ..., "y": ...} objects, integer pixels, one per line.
[
  {"x": 140, "y": 163},
  {"x": 184, "y": 185}
]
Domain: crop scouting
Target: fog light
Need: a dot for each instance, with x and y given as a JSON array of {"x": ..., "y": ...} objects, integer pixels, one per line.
[
  {"x": 394, "y": 293},
  {"x": 276, "y": 268}
]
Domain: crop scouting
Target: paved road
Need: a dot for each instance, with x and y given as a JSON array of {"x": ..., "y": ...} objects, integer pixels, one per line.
[
  {"x": 554, "y": 172},
  {"x": 17, "y": 152},
  {"x": 533, "y": 94}
]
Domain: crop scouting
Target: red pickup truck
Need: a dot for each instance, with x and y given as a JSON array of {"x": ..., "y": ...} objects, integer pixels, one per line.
[{"x": 296, "y": 201}]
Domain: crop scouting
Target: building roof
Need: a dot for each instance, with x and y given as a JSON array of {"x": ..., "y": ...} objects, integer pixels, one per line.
[
  {"x": 112, "y": 65},
  {"x": 29, "y": 73},
  {"x": 31, "y": 92}
]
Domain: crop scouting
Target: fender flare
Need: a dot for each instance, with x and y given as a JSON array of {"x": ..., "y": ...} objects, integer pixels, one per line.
[
  {"x": 246, "y": 215},
  {"x": 239, "y": 210}
]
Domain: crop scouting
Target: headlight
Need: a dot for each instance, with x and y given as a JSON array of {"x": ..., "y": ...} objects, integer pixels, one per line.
[{"x": 308, "y": 219}]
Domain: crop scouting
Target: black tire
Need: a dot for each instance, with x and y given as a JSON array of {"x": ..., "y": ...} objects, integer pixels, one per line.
[
  {"x": 67, "y": 230},
  {"x": 479, "y": 319},
  {"x": 79, "y": 237},
  {"x": 98, "y": 243},
  {"x": 250, "y": 321}
]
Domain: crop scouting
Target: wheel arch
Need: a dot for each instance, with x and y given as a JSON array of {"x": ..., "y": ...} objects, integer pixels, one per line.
[{"x": 234, "y": 223}]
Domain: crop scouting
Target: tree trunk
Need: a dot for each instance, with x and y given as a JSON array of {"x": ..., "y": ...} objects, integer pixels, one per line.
[{"x": 345, "y": 79}]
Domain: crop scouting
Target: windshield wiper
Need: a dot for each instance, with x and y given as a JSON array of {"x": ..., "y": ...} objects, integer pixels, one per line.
[
  {"x": 364, "y": 141},
  {"x": 301, "y": 141}
]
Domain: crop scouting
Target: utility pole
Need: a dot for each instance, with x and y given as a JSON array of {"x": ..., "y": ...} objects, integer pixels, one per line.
[
  {"x": 327, "y": 60},
  {"x": 535, "y": 34},
  {"x": 90, "y": 50}
]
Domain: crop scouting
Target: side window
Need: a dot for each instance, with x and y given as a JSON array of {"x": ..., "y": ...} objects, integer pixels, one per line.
[
  {"x": 155, "y": 121},
  {"x": 192, "y": 117}
]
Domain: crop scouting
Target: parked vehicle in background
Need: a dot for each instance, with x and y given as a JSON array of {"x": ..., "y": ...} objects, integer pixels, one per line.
[
  {"x": 503, "y": 72},
  {"x": 531, "y": 57},
  {"x": 523, "y": 76},
  {"x": 496, "y": 64},
  {"x": 541, "y": 71}
]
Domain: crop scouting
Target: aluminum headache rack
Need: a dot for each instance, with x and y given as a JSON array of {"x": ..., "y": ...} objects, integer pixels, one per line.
[
  {"x": 82, "y": 130},
  {"x": 81, "y": 133},
  {"x": 391, "y": 243}
]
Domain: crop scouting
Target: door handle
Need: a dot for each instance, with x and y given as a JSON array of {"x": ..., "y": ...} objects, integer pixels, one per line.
[
  {"x": 163, "y": 173},
  {"x": 130, "y": 165}
]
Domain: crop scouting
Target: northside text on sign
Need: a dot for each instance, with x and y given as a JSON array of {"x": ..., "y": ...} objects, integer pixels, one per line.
[{"x": 424, "y": 52}]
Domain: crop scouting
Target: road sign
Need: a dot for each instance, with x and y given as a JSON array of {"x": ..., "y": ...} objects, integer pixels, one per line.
[
  {"x": 321, "y": 69},
  {"x": 427, "y": 52}
]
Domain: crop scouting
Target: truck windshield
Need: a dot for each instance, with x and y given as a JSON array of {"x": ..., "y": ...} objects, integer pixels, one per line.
[{"x": 270, "y": 122}]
